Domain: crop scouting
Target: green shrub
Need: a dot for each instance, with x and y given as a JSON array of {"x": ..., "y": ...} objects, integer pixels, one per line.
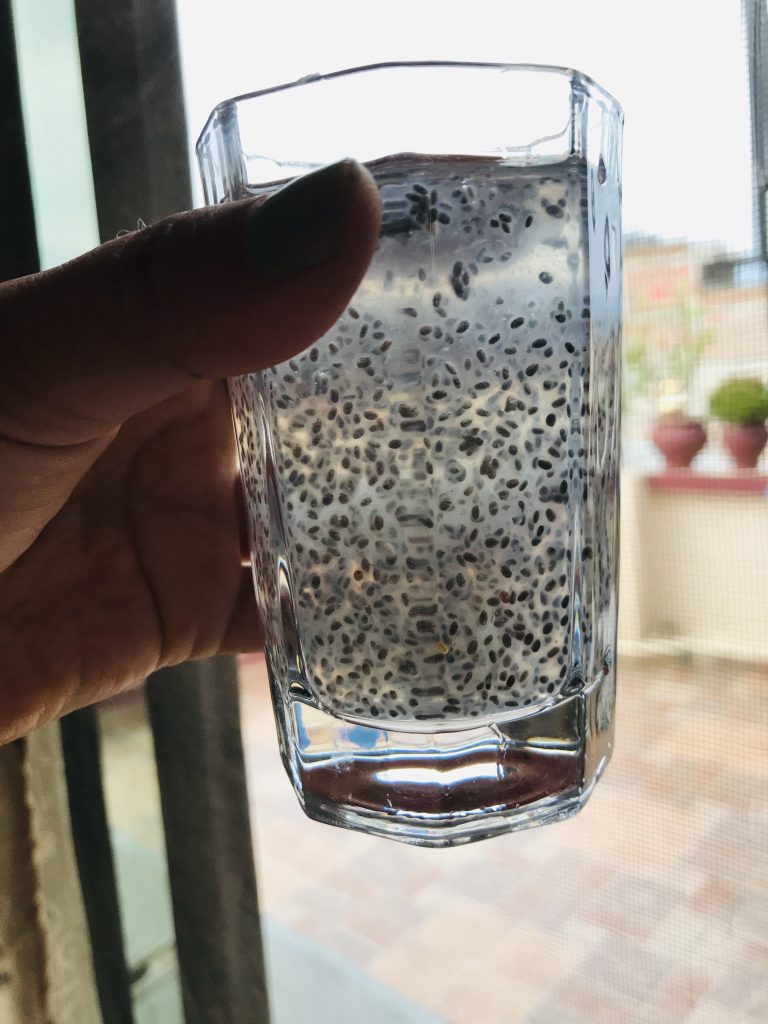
[{"x": 742, "y": 400}]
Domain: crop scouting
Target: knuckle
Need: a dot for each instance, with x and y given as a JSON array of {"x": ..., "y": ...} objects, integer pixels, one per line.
[
  {"x": 146, "y": 289},
  {"x": 138, "y": 271}
]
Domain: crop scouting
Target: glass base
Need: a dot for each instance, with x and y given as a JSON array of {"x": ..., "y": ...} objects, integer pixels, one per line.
[{"x": 447, "y": 788}]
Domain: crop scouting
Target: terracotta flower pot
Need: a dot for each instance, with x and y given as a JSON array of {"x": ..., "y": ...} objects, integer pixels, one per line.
[
  {"x": 679, "y": 440},
  {"x": 744, "y": 443}
]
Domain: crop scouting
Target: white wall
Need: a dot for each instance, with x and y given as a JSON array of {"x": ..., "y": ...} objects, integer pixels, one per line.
[{"x": 694, "y": 573}]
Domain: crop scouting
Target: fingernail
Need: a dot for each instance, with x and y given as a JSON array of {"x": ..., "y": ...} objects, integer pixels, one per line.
[{"x": 298, "y": 227}]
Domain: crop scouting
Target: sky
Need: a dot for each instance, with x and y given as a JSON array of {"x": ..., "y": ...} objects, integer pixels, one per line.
[{"x": 677, "y": 67}]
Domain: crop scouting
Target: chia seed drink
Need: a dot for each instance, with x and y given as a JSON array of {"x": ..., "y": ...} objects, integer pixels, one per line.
[{"x": 431, "y": 490}]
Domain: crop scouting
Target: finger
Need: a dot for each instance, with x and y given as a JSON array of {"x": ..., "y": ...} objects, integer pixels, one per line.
[
  {"x": 211, "y": 293},
  {"x": 244, "y": 632}
]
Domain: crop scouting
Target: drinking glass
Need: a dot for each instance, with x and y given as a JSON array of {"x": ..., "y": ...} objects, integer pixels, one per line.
[{"x": 432, "y": 487}]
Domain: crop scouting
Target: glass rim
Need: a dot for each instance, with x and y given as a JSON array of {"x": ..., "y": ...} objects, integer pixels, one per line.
[{"x": 593, "y": 87}]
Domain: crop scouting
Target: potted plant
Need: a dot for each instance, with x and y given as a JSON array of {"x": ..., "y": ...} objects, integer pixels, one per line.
[
  {"x": 679, "y": 438},
  {"x": 666, "y": 340},
  {"x": 742, "y": 404}
]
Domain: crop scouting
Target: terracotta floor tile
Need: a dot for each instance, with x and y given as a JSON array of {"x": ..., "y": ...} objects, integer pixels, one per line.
[
  {"x": 582, "y": 995},
  {"x": 416, "y": 970},
  {"x": 551, "y": 1011},
  {"x": 385, "y": 929},
  {"x": 394, "y": 870},
  {"x": 631, "y": 905},
  {"x": 492, "y": 884},
  {"x": 714, "y": 896},
  {"x": 623, "y": 912},
  {"x": 743, "y": 988},
  {"x": 757, "y": 953},
  {"x": 681, "y": 993},
  {"x": 680, "y": 781},
  {"x": 464, "y": 930},
  {"x": 556, "y": 894},
  {"x": 475, "y": 994},
  {"x": 536, "y": 957},
  {"x": 278, "y": 881},
  {"x": 749, "y": 919},
  {"x": 696, "y": 940},
  {"x": 331, "y": 935},
  {"x": 465, "y": 934},
  {"x": 720, "y": 741},
  {"x": 732, "y": 860},
  {"x": 708, "y": 1012},
  {"x": 624, "y": 968},
  {"x": 646, "y": 839}
]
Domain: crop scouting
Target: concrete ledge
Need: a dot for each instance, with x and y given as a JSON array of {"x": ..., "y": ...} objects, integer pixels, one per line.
[
  {"x": 687, "y": 481},
  {"x": 692, "y": 646}
]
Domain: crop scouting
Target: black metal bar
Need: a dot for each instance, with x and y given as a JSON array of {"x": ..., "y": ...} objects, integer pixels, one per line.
[
  {"x": 135, "y": 110},
  {"x": 95, "y": 864},
  {"x": 136, "y": 126},
  {"x": 755, "y": 16},
  {"x": 18, "y": 238},
  {"x": 194, "y": 711}
]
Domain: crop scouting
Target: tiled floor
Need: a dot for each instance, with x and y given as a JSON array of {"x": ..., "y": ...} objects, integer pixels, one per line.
[{"x": 650, "y": 907}]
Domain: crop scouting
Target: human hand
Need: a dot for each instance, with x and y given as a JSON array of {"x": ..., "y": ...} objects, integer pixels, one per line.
[{"x": 120, "y": 547}]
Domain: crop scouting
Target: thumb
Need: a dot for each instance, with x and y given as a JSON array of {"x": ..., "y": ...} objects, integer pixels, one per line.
[
  {"x": 206, "y": 294},
  {"x": 211, "y": 293}
]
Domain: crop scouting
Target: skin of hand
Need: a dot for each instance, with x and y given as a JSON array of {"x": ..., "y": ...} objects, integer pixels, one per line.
[{"x": 121, "y": 545}]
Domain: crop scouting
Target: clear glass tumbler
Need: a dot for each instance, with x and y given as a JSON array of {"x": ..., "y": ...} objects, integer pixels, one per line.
[{"x": 432, "y": 487}]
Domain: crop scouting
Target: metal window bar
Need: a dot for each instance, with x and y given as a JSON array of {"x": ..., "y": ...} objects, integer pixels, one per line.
[
  {"x": 755, "y": 17},
  {"x": 95, "y": 864},
  {"x": 18, "y": 245}
]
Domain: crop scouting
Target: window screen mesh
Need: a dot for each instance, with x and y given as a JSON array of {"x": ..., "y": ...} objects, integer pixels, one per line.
[{"x": 651, "y": 906}]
